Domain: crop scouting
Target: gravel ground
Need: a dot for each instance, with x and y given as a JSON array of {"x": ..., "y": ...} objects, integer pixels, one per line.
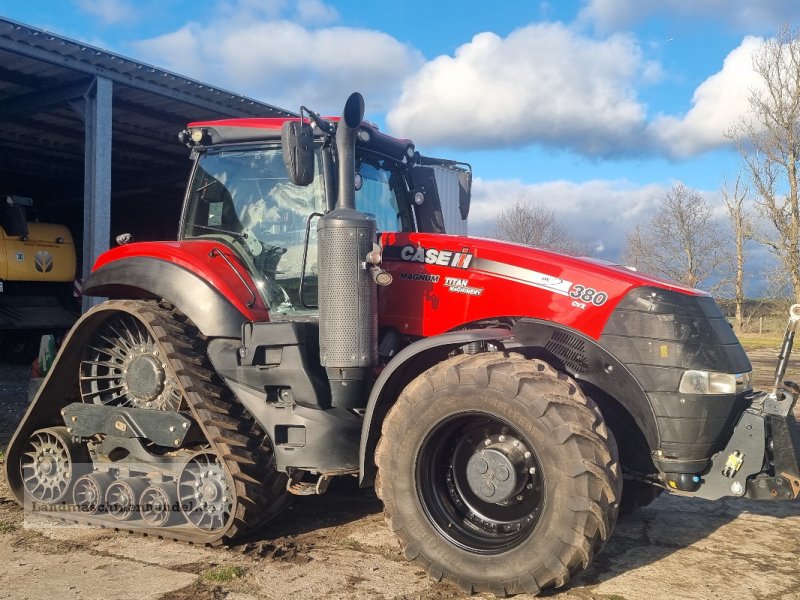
[{"x": 337, "y": 546}]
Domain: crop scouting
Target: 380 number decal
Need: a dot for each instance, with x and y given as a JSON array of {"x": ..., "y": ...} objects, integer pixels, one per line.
[{"x": 587, "y": 294}]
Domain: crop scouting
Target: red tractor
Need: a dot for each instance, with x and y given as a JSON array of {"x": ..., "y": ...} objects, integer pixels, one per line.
[{"x": 314, "y": 320}]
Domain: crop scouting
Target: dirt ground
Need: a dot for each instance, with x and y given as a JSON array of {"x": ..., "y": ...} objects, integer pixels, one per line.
[{"x": 337, "y": 546}]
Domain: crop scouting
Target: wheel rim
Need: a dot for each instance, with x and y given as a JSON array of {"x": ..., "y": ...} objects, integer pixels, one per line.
[
  {"x": 121, "y": 498},
  {"x": 123, "y": 366},
  {"x": 156, "y": 506},
  {"x": 47, "y": 466},
  {"x": 204, "y": 493},
  {"x": 480, "y": 483},
  {"x": 89, "y": 492}
]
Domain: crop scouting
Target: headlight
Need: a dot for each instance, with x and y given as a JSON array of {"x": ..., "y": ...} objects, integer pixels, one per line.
[{"x": 707, "y": 382}]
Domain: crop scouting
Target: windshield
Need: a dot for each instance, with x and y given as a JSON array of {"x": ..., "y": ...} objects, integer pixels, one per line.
[
  {"x": 380, "y": 193},
  {"x": 244, "y": 198}
]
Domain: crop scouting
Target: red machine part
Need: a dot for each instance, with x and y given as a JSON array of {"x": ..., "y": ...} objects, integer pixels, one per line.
[
  {"x": 442, "y": 282},
  {"x": 201, "y": 258}
]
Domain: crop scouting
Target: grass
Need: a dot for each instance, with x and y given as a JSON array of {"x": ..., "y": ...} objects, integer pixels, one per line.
[
  {"x": 223, "y": 574},
  {"x": 7, "y": 527},
  {"x": 754, "y": 341}
]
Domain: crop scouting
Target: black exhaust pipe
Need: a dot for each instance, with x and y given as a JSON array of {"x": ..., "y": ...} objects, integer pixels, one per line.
[
  {"x": 346, "y": 146},
  {"x": 348, "y": 312}
]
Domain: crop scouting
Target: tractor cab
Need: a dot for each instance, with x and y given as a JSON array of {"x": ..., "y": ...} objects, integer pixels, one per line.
[{"x": 242, "y": 194}]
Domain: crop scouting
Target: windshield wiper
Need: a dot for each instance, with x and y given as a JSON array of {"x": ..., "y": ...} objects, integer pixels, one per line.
[
  {"x": 236, "y": 234},
  {"x": 207, "y": 185}
]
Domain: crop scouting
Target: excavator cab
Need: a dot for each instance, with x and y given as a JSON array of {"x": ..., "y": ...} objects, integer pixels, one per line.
[{"x": 14, "y": 216}]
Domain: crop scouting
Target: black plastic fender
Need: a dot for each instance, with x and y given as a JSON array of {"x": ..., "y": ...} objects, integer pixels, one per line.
[
  {"x": 586, "y": 360},
  {"x": 405, "y": 366},
  {"x": 143, "y": 276}
]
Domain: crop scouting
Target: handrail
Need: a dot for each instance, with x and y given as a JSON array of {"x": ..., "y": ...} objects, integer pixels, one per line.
[
  {"x": 217, "y": 252},
  {"x": 305, "y": 256}
]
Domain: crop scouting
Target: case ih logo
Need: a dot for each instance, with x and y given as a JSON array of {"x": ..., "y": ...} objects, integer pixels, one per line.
[
  {"x": 43, "y": 261},
  {"x": 432, "y": 256}
]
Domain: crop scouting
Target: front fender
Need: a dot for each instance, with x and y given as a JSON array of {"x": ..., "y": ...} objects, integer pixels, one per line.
[
  {"x": 144, "y": 276},
  {"x": 409, "y": 362}
]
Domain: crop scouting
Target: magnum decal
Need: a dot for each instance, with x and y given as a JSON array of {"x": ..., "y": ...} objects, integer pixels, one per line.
[{"x": 425, "y": 277}]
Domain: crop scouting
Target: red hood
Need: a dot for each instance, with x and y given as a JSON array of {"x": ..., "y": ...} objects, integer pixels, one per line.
[{"x": 443, "y": 282}]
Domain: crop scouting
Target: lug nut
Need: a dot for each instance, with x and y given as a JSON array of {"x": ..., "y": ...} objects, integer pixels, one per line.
[
  {"x": 527, "y": 455},
  {"x": 502, "y": 438}
]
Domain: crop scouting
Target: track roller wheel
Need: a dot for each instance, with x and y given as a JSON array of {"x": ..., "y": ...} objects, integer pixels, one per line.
[
  {"x": 204, "y": 493},
  {"x": 156, "y": 504},
  {"x": 90, "y": 491},
  {"x": 50, "y": 464},
  {"x": 497, "y": 473},
  {"x": 121, "y": 498}
]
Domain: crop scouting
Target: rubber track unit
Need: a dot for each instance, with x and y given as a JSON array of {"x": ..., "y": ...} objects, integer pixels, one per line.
[
  {"x": 574, "y": 419},
  {"x": 229, "y": 429}
]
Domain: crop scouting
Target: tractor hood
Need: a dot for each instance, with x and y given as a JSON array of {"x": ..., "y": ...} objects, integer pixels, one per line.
[{"x": 442, "y": 282}]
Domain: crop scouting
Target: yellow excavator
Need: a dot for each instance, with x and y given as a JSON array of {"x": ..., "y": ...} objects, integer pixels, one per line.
[{"x": 37, "y": 271}]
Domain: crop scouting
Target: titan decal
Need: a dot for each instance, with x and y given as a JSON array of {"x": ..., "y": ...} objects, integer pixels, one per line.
[
  {"x": 434, "y": 256},
  {"x": 461, "y": 286}
]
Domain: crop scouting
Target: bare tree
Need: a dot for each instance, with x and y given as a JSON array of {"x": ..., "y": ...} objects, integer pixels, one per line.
[
  {"x": 769, "y": 143},
  {"x": 527, "y": 222},
  {"x": 681, "y": 241},
  {"x": 734, "y": 198}
]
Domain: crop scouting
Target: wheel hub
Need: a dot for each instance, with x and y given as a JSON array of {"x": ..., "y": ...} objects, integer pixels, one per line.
[
  {"x": 47, "y": 466},
  {"x": 144, "y": 377},
  {"x": 498, "y": 471},
  {"x": 210, "y": 492}
]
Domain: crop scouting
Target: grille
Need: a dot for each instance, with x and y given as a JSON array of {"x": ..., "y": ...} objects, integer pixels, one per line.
[{"x": 570, "y": 349}]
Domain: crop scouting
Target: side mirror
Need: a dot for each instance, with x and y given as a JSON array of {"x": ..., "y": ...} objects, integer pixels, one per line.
[{"x": 297, "y": 141}]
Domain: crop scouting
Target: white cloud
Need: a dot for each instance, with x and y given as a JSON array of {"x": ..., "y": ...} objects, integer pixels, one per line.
[
  {"x": 284, "y": 62},
  {"x": 315, "y": 12},
  {"x": 717, "y": 104},
  {"x": 615, "y": 15},
  {"x": 543, "y": 83},
  {"x": 602, "y": 212},
  {"x": 108, "y": 11}
]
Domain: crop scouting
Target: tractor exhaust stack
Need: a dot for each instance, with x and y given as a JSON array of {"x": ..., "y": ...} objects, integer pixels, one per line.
[{"x": 348, "y": 321}]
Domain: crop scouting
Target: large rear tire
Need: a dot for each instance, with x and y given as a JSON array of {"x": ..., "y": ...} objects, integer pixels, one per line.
[{"x": 496, "y": 472}]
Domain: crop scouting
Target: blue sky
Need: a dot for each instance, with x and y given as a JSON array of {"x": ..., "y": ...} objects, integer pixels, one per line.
[{"x": 592, "y": 107}]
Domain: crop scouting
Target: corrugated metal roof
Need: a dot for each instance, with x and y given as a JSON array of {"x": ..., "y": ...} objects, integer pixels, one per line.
[{"x": 42, "y": 131}]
